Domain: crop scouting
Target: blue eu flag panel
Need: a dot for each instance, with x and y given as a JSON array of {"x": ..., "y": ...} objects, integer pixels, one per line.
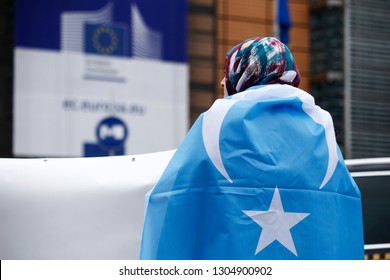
[
  {"x": 130, "y": 28},
  {"x": 258, "y": 176},
  {"x": 105, "y": 39}
]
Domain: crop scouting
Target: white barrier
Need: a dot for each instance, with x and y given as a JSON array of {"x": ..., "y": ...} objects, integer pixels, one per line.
[{"x": 75, "y": 208}]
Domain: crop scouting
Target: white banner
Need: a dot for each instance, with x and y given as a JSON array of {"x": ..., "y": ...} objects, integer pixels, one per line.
[{"x": 75, "y": 208}]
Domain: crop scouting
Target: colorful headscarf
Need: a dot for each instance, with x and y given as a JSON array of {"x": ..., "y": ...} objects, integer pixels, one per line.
[{"x": 259, "y": 61}]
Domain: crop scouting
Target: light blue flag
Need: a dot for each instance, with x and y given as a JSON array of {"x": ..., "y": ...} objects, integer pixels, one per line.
[{"x": 258, "y": 176}]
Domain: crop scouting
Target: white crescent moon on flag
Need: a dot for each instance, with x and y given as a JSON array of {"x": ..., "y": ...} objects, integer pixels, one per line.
[
  {"x": 213, "y": 118},
  {"x": 211, "y": 129}
]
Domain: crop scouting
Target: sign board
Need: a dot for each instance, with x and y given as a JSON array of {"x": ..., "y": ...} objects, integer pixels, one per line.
[{"x": 99, "y": 77}]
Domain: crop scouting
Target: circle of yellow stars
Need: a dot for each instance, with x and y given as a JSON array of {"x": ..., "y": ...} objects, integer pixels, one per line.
[{"x": 113, "y": 36}]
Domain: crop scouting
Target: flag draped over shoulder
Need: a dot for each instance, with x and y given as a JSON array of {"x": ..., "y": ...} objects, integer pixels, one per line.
[{"x": 258, "y": 176}]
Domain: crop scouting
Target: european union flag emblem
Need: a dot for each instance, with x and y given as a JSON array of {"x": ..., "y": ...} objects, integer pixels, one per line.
[
  {"x": 105, "y": 39},
  {"x": 258, "y": 176}
]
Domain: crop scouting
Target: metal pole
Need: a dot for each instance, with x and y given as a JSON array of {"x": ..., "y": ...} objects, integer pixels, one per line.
[{"x": 347, "y": 81}]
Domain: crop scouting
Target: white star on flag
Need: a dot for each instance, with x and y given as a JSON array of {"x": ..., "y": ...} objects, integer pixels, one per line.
[{"x": 276, "y": 224}]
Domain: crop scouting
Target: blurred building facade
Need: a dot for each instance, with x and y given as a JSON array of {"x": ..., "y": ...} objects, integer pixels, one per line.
[
  {"x": 341, "y": 48},
  {"x": 350, "y": 62}
]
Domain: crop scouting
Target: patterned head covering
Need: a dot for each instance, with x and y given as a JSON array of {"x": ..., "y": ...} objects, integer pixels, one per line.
[{"x": 259, "y": 61}]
